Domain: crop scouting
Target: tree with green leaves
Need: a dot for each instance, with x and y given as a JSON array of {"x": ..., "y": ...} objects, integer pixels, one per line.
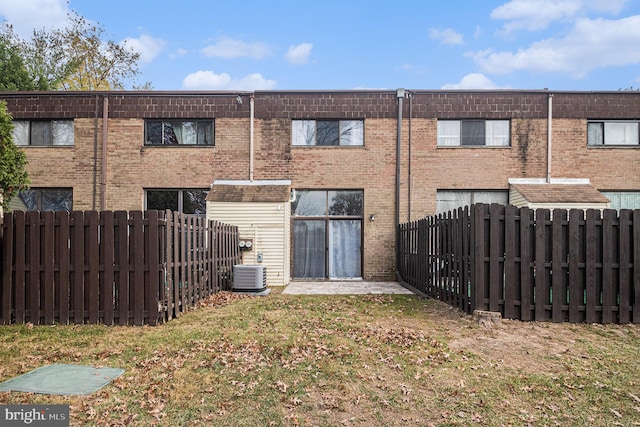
[
  {"x": 75, "y": 57},
  {"x": 13, "y": 161},
  {"x": 44, "y": 66},
  {"x": 13, "y": 73}
]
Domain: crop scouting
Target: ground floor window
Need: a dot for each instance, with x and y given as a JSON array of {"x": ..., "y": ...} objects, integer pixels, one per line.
[
  {"x": 327, "y": 234},
  {"x": 43, "y": 199},
  {"x": 447, "y": 200},
  {"x": 189, "y": 201}
]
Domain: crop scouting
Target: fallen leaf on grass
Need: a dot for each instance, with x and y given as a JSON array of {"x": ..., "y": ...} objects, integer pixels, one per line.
[
  {"x": 282, "y": 387},
  {"x": 616, "y": 413},
  {"x": 221, "y": 298}
]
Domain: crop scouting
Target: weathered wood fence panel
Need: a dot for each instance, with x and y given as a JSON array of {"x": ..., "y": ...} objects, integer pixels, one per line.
[
  {"x": 545, "y": 265},
  {"x": 126, "y": 268}
]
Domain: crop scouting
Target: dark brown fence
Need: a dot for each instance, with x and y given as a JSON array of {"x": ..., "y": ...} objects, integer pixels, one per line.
[
  {"x": 110, "y": 267},
  {"x": 541, "y": 265}
]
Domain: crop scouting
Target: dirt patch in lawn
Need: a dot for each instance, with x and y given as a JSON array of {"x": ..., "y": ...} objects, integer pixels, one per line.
[{"x": 536, "y": 347}]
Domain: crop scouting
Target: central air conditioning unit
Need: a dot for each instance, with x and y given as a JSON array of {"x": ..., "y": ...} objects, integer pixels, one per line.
[{"x": 249, "y": 278}]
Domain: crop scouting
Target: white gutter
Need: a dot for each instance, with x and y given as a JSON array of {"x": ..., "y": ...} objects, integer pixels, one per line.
[
  {"x": 549, "y": 137},
  {"x": 255, "y": 182},
  {"x": 251, "y": 140}
]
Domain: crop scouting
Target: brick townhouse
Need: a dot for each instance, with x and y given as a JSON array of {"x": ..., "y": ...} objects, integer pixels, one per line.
[{"x": 317, "y": 180}]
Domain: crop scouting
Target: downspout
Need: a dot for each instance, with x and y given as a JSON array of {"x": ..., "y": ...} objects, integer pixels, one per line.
[
  {"x": 252, "y": 113},
  {"x": 410, "y": 95},
  {"x": 400, "y": 96},
  {"x": 549, "y": 138},
  {"x": 105, "y": 126},
  {"x": 95, "y": 158}
]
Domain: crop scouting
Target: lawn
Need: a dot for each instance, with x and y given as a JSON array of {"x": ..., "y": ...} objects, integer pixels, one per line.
[{"x": 360, "y": 360}]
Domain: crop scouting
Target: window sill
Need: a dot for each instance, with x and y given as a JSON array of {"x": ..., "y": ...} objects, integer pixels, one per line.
[
  {"x": 624, "y": 147},
  {"x": 45, "y": 146},
  {"x": 491, "y": 147},
  {"x": 178, "y": 146},
  {"x": 324, "y": 147}
]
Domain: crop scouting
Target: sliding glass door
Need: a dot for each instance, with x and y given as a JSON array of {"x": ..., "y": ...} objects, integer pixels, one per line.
[{"x": 327, "y": 234}]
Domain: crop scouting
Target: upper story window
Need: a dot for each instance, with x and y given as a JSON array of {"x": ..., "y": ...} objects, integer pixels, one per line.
[
  {"x": 473, "y": 133},
  {"x": 327, "y": 132},
  {"x": 43, "y": 133},
  {"x": 612, "y": 133},
  {"x": 179, "y": 132}
]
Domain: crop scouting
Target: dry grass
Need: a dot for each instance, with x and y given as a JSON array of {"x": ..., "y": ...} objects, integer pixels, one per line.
[{"x": 368, "y": 360}]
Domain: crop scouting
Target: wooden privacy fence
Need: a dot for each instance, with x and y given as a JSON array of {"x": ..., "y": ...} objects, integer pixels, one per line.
[
  {"x": 541, "y": 265},
  {"x": 110, "y": 267}
]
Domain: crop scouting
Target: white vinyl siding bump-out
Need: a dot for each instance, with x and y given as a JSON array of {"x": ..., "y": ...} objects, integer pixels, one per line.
[{"x": 268, "y": 224}]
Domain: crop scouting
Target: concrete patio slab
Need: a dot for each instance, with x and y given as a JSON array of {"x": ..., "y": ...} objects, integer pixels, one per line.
[{"x": 344, "y": 288}]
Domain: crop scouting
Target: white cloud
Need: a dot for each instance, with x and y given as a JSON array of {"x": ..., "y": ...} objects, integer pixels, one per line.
[
  {"x": 591, "y": 44},
  {"x": 609, "y": 6},
  {"x": 535, "y": 15},
  {"x": 27, "y": 15},
  {"x": 148, "y": 47},
  {"x": 412, "y": 69},
  {"x": 472, "y": 81},
  {"x": 208, "y": 80},
  {"x": 178, "y": 53},
  {"x": 228, "y": 48},
  {"x": 299, "y": 54},
  {"x": 446, "y": 36}
]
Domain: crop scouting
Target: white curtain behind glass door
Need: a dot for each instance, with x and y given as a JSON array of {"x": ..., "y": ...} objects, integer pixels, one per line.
[{"x": 344, "y": 249}]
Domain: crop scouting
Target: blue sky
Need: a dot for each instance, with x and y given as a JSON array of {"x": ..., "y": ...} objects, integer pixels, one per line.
[{"x": 364, "y": 44}]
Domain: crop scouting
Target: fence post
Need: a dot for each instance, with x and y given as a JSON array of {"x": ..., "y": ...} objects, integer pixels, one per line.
[
  {"x": 137, "y": 251},
  {"x": 152, "y": 283},
  {"x": 7, "y": 285},
  {"x": 477, "y": 260},
  {"x": 625, "y": 232},
  {"x": 591, "y": 240},
  {"x": 609, "y": 257},
  {"x": 541, "y": 294},
  {"x": 123, "y": 283},
  {"x": 636, "y": 267},
  {"x": 510, "y": 279},
  {"x": 107, "y": 260},
  {"x": 466, "y": 260},
  {"x": 48, "y": 241},
  {"x": 526, "y": 282},
  {"x": 558, "y": 258},
  {"x": 576, "y": 285},
  {"x": 92, "y": 225},
  {"x": 33, "y": 252},
  {"x": 495, "y": 241}
]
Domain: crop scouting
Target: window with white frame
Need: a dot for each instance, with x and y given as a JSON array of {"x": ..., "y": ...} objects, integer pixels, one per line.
[
  {"x": 188, "y": 201},
  {"x": 612, "y": 133},
  {"x": 43, "y": 133},
  {"x": 473, "y": 133},
  {"x": 327, "y": 133},
  {"x": 179, "y": 132}
]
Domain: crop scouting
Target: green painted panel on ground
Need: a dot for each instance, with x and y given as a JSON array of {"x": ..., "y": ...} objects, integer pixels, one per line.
[{"x": 62, "y": 379}]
